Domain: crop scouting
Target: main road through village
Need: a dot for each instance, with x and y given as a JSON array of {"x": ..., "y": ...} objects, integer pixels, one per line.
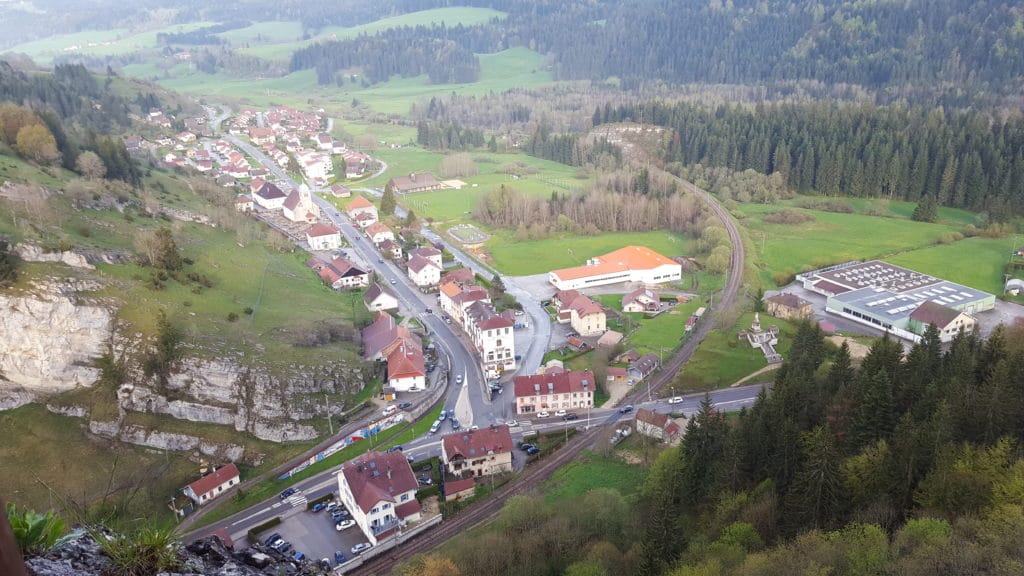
[{"x": 472, "y": 401}]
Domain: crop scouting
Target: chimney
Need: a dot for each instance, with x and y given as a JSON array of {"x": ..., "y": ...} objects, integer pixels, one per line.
[{"x": 389, "y": 473}]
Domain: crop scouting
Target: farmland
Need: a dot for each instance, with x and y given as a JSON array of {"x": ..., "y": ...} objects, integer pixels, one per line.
[
  {"x": 524, "y": 257},
  {"x": 99, "y": 42}
]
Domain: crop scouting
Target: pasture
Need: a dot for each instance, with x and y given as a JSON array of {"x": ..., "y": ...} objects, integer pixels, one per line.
[
  {"x": 525, "y": 257},
  {"x": 112, "y": 42},
  {"x": 974, "y": 262}
]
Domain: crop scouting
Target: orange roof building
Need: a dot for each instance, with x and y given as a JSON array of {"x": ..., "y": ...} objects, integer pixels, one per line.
[{"x": 628, "y": 264}]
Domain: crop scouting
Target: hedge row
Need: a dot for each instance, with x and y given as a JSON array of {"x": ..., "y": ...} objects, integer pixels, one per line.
[
  {"x": 325, "y": 498},
  {"x": 254, "y": 532}
]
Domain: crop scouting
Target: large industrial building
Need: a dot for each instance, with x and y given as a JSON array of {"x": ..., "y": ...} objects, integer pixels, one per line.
[
  {"x": 898, "y": 300},
  {"x": 628, "y": 264}
]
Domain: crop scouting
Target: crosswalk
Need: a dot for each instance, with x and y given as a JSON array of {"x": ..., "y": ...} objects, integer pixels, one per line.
[{"x": 296, "y": 500}]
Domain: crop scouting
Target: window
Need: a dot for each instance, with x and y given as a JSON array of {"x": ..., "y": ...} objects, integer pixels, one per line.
[
  {"x": 373, "y": 511},
  {"x": 405, "y": 497}
]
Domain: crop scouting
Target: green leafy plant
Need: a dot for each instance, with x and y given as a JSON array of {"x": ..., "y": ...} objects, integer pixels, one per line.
[
  {"x": 34, "y": 532},
  {"x": 148, "y": 550}
]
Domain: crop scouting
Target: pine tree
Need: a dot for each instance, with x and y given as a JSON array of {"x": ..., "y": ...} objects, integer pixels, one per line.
[
  {"x": 926, "y": 210},
  {"x": 816, "y": 494},
  {"x": 703, "y": 449},
  {"x": 874, "y": 414},
  {"x": 387, "y": 201}
]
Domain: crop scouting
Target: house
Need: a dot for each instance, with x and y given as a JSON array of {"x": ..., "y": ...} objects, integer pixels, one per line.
[
  {"x": 641, "y": 300},
  {"x": 493, "y": 337},
  {"x": 339, "y": 191},
  {"x": 324, "y": 141},
  {"x": 455, "y": 299},
  {"x": 243, "y": 203},
  {"x": 364, "y": 220},
  {"x": 186, "y": 137},
  {"x": 255, "y": 184},
  {"x": 657, "y": 426},
  {"x": 361, "y": 206},
  {"x": 299, "y": 206},
  {"x": 226, "y": 181},
  {"x": 414, "y": 183},
  {"x": 476, "y": 453},
  {"x": 557, "y": 391},
  {"x": 378, "y": 298},
  {"x": 628, "y": 264},
  {"x": 323, "y": 237},
  {"x": 379, "y": 490},
  {"x": 459, "y": 489},
  {"x": 236, "y": 170},
  {"x": 391, "y": 249},
  {"x": 260, "y": 136},
  {"x": 788, "y": 306},
  {"x": 948, "y": 321},
  {"x": 563, "y": 298},
  {"x": 378, "y": 232},
  {"x": 423, "y": 272},
  {"x": 642, "y": 367},
  {"x": 341, "y": 273},
  {"x": 269, "y": 196},
  {"x": 406, "y": 369},
  {"x": 609, "y": 339},
  {"x": 628, "y": 356},
  {"x": 458, "y": 276},
  {"x": 213, "y": 484},
  {"x": 587, "y": 317},
  {"x": 383, "y": 336},
  {"x": 617, "y": 374},
  {"x": 428, "y": 252}
]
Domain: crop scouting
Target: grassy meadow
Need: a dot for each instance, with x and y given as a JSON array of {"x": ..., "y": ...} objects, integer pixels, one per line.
[
  {"x": 114, "y": 42},
  {"x": 520, "y": 258},
  {"x": 974, "y": 262}
]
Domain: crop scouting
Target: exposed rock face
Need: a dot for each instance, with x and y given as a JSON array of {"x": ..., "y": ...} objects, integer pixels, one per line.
[
  {"x": 50, "y": 341},
  {"x": 31, "y": 253},
  {"x": 166, "y": 440},
  {"x": 82, "y": 556}
]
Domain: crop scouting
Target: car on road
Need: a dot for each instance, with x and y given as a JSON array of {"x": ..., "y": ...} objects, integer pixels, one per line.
[
  {"x": 380, "y": 259},
  {"x": 474, "y": 428},
  {"x": 405, "y": 405},
  {"x": 455, "y": 424},
  {"x": 442, "y": 415},
  {"x": 288, "y": 492},
  {"x": 626, "y": 409},
  {"x": 518, "y": 357},
  {"x": 543, "y": 414},
  {"x": 675, "y": 400},
  {"x": 561, "y": 413},
  {"x": 390, "y": 410},
  {"x": 458, "y": 379},
  {"x": 424, "y": 480},
  {"x": 393, "y": 449},
  {"x": 429, "y": 311},
  {"x": 435, "y": 426},
  {"x": 272, "y": 538},
  {"x": 447, "y": 320},
  {"x": 339, "y": 557},
  {"x": 570, "y": 416},
  {"x": 318, "y": 507},
  {"x": 360, "y": 548},
  {"x": 512, "y": 423},
  {"x": 393, "y": 281},
  {"x": 344, "y": 525}
]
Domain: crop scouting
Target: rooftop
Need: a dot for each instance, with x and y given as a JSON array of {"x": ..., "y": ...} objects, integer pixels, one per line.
[
  {"x": 375, "y": 477},
  {"x": 560, "y": 383},
  {"x": 621, "y": 260},
  {"x": 476, "y": 443},
  {"x": 213, "y": 479}
]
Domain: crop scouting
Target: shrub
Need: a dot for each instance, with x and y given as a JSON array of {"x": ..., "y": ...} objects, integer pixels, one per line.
[
  {"x": 35, "y": 533},
  {"x": 325, "y": 498},
  {"x": 254, "y": 532},
  {"x": 10, "y": 265},
  {"x": 788, "y": 216},
  {"x": 424, "y": 493},
  {"x": 232, "y": 317},
  {"x": 248, "y": 311},
  {"x": 147, "y": 551}
]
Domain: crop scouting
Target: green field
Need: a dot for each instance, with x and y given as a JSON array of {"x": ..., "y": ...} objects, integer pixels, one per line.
[
  {"x": 513, "y": 68},
  {"x": 660, "y": 334},
  {"x": 113, "y": 42},
  {"x": 974, "y": 262},
  {"x": 279, "y": 43},
  {"x": 722, "y": 359},
  {"x": 520, "y": 258},
  {"x": 831, "y": 238},
  {"x": 590, "y": 471}
]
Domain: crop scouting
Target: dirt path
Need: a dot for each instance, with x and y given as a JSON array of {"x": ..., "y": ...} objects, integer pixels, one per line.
[
  {"x": 767, "y": 368},
  {"x": 857, "y": 350}
]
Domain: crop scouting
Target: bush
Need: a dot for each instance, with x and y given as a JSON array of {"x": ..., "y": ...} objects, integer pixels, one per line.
[
  {"x": 254, "y": 532},
  {"x": 232, "y": 317},
  {"x": 424, "y": 493},
  {"x": 248, "y": 311},
  {"x": 325, "y": 498},
  {"x": 10, "y": 266},
  {"x": 788, "y": 216},
  {"x": 147, "y": 551},
  {"x": 35, "y": 533}
]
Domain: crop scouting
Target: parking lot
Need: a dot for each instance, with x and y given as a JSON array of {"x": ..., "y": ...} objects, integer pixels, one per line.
[{"x": 314, "y": 534}]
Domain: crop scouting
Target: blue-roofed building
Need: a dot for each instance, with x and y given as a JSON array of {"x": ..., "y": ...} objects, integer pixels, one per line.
[{"x": 895, "y": 299}]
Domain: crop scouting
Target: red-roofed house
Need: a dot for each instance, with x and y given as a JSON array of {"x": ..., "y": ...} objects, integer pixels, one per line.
[
  {"x": 243, "y": 203},
  {"x": 378, "y": 232},
  {"x": 261, "y": 136},
  {"x": 406, "y": 370},
  {"x": 459, "y": 489},
  {"x": 379, "y": 491},
  {"x": 428, "y": 252},
  {"x": 342, "y": 273},
  {"x": 213, "y": 484},
  {"x": 384, "y": 335},
  {"x": 478, "y": 452},
  {"x": 391, "y": 249},
  {"x": 323, "y": 237},
  {"x": 558, "y": 391},
  {"x": 655, "y": 425},
  {"x": 587, "y": 317},
  {"x": 641, "y": 300},
  {"x": 423, "y": 272},
  {"x": 360, "y": 205}
]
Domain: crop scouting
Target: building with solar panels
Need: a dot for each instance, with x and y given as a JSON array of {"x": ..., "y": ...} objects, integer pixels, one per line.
[{"x": 895, "y": 299}]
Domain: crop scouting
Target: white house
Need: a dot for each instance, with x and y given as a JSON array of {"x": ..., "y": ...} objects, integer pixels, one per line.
[
  {"x": 423, "y": 272},
  {"x": 269, "y": 196},
  {"x": 378, "y": 232},
  {"x": 428, "y": 252},
  {"x": 378, "y": 298},
  {"x": 480, "y": 452},
  {"x": 243, "y": 203},
  {"x": 406, "y": 370},
  {"x": 379, "y": 490},
  {"x": 323, "y": 237},
  {"x": 493, "y": 337},
  {"x": 213, "y": 484},
  {"x": 360, "y": 206}
]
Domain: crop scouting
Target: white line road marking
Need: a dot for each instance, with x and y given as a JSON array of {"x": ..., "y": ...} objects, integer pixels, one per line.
[{"x": 251, "y": 516}]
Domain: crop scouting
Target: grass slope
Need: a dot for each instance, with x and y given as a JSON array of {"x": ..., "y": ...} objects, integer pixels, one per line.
[
  {"x": 591, "y": 471},
  {"x": 974, "y": 262},
  {"x": 113, "y": 42},
  {"x": 519, "y": 258}
]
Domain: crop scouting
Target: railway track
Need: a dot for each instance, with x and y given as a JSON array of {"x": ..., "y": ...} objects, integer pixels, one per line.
[{"x": 485, "y": 511}]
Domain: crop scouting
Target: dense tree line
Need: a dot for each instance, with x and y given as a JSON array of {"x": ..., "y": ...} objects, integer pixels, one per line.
[
  {"x": 448, "y": 135},
  {"x": 967, "y": 159},
  {"x": 199, "y": 36},
  {"x": 568, "y": 148},
  {"x": 402, "y": 51}
]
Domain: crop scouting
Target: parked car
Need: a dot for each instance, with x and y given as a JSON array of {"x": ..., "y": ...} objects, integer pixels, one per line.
[
  {"x": 272, "y": 538},
  {"x": 512, "y": 423},
  {"x": 288, "y": 492},
  {"x": 560, "y": 413},
  {"x": 325, "y": 564},
  {"x": 339, "y": 557},
  {"x": 435, "y": 427},
  {"x": 390, "y": 410},
  {"x": 526, "y": 446},
  {"x": 442, "y": 415},
  {"x": 360, "y": 548},
  {"x": 474, "y": 428},
  {"x": 299, "y": 557},
  {"x": 318, "y": 507},
  {"x": 405, "y": 405},
  {"x": 339, "y": 515},
  {"x": 543, "y": 414},
  {"x": 455, "y": 424},
  {"x": 532, "y": 450},
  {"x": 518, "y": 357},
  {"x": 379, "y": 259},
  {"x": 429, "y": 311},
  {"x": 425, "y": 480},
  {"x": 344, "y": 525},
  {"x": 626, "y": 409},
  {"x": 675, "y": 400},
  {"x": 569, "y": 416}
]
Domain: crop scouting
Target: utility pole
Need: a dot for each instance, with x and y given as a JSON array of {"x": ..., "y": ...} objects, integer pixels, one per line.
[{"x": 327, "y": 405}]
